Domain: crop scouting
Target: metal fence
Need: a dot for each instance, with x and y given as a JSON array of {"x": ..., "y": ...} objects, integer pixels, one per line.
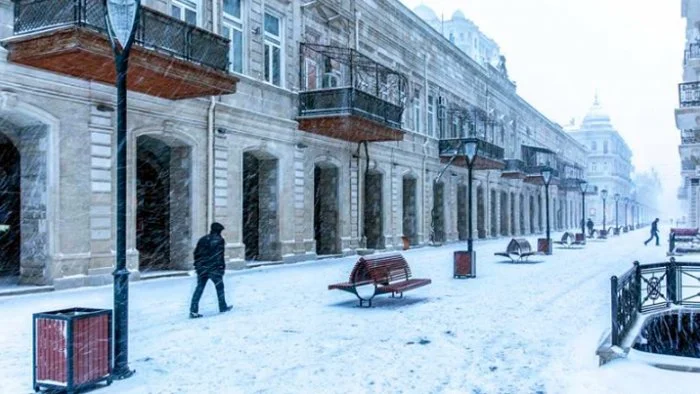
[
  {"x": 651, "y": 287},
  {"x": 155, "y": 30}
]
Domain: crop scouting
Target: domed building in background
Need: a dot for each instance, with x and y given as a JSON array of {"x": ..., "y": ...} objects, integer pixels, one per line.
[
  {"x": 464, "y": 34},
  {"x": 609, "y": 166}
]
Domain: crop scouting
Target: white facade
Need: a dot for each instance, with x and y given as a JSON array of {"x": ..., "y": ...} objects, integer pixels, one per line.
[
  {"x": 688, "y": 117},
  {"x": 609, "y": 164}
]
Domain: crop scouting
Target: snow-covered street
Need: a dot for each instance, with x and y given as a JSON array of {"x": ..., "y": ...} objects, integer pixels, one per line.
[{"x": 516, "y": 328}]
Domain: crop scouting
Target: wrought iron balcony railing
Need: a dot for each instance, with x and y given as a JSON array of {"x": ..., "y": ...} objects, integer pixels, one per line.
[
  {"x": 693, "y": 52},
  {"x": 455, "y": 146},
  {"x": 651, "y": 287},
  {"x": 155, "y": 31},
  {"x": 514, "y": 165},
  {"x": 349, "y": 101},
  {"x": 689, "y": 94}
]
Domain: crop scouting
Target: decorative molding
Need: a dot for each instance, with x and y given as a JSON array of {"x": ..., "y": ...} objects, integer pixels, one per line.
[{"x": 8, "y": 100}]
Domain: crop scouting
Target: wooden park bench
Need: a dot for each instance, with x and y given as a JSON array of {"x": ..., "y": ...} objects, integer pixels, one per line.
[
  {"x": 517, "y": 248},
  {"x": 374, "y": 275},
  {"x": 569, "y": 240}
]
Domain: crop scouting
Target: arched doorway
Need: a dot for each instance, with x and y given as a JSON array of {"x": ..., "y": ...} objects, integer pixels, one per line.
[
  {"x": 326, "y": 209},
  {"x": 494, "y": 214},
  {"x": 540, "y": 213},
  {"x": 373, "y": 213},
  {"x": 513, "y": 218},
  {"x": 439, "y": 212},
  {"x": 163, "y": 196},
  {"x": 532, "y": 214},
  {"x": 522, "y": 215},
  {"x": 504, "y": 213},
  {"x": 462, "y": 213},
  {"x": 480, "y": 212},
  {"x": 10, "y": 208},
  {"x": 260, "y": 201},
  {"x": 410, "y": 206},
  {"x": 25, "y": 214}
]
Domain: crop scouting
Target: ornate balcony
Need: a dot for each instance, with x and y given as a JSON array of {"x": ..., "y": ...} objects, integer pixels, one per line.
[
  {"x": 692, "y": 54},
  {"x": 689, "y": 94},
  {"x": 514, "y": 169},
  {"x": 571, "y": 176},
  {"x": 348, "y": 96},
  {"x": 682, "y": 193},
  {"x": 170, "y": 58},
  {"x": 488, "y": 155},
  {"x": 536, "y": 159}
]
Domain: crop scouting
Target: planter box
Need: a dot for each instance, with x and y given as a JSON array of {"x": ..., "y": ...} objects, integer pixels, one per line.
[
  {"x": 464, "y": 264},
  {"x": 72, "y": 349}
]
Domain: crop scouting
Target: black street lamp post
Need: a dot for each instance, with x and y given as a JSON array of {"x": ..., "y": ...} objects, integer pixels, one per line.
[
  {"x": 604, "y": 194},
  {"x": 584, "y": 187},
  {"x": 617, "y": 198},
  {"x": 626, "y": 201},
  {"x": 547, "y": 177},
  {"x": 121, "y": 19},
  {"x": 471, "y": 147}
]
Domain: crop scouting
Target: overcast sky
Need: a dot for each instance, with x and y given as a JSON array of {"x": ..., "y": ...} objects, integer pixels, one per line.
[{"x": 561, "y": 51}]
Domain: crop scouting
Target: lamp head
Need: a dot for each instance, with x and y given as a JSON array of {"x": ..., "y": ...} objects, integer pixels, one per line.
[
  {"x": 547, "y": 175},
  {"x": 616, "y": 196},
  {"x": 583, "y": 185},
  {"x": 471, "y": 147},
  {"x": 604, "y": 193}
]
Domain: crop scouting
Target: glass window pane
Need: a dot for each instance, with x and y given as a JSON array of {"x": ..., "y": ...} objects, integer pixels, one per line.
[
  {"x": 276, "y": 67},
  {"x": 267, "y": 63},
  {"x": 233, "y": 8},
  {"x": 190, "y": 17},
  {"x": 272, "y": 25},
  {"x": 175, "y": 12},
  {"x": 237, "y": 58}
]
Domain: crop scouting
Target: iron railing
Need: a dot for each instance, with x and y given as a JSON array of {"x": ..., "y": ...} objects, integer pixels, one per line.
[
  {"x": 693, "y": 52},
  {"x": 514, "y": 165},
  {"x": 155, "y": 31},
  {"x": 455, "y": 146},
  {"x": 689, "y": 94},
  {"x": 349, "y": 101},
  {"x": 651, "y": 287}
]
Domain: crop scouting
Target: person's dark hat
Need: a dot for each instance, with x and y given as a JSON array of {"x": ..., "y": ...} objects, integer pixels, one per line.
[{"x": 217, "y": 227}]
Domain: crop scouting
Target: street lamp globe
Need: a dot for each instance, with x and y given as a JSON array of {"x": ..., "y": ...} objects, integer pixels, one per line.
[
  {"x": 583, "y": 185},
  {"x": 547, "y": 175},
  {"x": 604, "y": 193},
  {"x": 471, "y": 147},
  {"x": 616, "y": 196}
]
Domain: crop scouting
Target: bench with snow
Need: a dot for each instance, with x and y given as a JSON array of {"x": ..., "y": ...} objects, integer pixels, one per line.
[
  {"x": 685, "y": 234},
  {"x": 569, "y": 240},
  {"x": 374, "y": 275},
  {"x": 603, "y": 234},
  {"x": 519, "y": 248}
]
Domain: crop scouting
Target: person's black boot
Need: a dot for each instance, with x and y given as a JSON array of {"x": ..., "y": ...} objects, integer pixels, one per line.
[
  {"x": 195, "y": 315},
  {"x": 228, "y": 308}
]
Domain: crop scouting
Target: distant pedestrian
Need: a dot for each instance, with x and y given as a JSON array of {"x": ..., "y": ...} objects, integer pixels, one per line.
[
  {"x": 589, "y": 225},
  {"x": 209, "y": 264},
  {"x": 654, "y": 232}
]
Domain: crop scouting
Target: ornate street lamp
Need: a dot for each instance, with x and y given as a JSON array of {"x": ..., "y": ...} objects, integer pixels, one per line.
[
  {"x": 121, "y": 19},
  {"x": 583, "y": 185},
  {"x": 617, "y": 198},
  {"x": 465, "y": 266},
  {"x": 604, "y": 194},
  {"x": 547, "y": 177}
]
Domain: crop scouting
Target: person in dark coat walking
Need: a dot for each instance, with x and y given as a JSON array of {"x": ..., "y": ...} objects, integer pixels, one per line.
[
  {"x": 589, "y": 225},
  {"x": 209, "y": 264},
  {"x": 654, "y": 232}
]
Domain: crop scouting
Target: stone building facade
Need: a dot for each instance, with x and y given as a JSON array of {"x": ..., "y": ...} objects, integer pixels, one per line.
[
  {"x": 688, "y": 116},
  {"x": 609, "y": 167},
  {"x": 299, "y": 155}
]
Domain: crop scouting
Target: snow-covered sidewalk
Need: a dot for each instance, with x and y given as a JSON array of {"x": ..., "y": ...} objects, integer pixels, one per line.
[{"x": 516, "y": 328}]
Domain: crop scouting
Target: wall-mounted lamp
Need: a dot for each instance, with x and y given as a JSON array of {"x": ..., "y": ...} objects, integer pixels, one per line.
[
  {"x": 104, "y": 108},
  {"x": 301, "y": 145},
  {"x": 255, "y": 30}
]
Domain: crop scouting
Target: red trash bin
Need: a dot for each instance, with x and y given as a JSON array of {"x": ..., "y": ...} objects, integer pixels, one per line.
[
  {"x": 464, "y": 264},
  {"x": 72, "y": 349}
]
